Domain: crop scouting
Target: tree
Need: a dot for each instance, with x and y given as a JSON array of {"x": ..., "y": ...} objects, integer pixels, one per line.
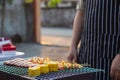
[{"x": 3, "y": 5}]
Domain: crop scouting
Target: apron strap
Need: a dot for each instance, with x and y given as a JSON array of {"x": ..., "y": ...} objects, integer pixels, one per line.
[{"x": 119, "y": 26}]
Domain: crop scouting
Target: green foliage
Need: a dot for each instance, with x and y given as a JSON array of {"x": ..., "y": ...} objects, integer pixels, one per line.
[
  {"x": 53, "y": 3},
  {"x": 10, "y": 1}
]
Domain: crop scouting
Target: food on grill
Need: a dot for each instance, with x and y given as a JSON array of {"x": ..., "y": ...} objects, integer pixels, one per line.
[
  {"x": 19, "y": 62},
  {"x": 34, "y": 71},
  {"x": 53, "y": 66},
  {"x": 44, "y": 68},
  {"x": 63, "y": 65},
  {"x": 75, "y": 65},
  {"x": 38, "y": 69},
  {"x": 39, "y": 60},
  {"x": 38, "y": 65}
]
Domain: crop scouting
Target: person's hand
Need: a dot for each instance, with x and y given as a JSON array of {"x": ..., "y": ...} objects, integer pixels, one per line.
[
  {"x": 73, "y": 55},
  {"x": 115, "y": 68}
]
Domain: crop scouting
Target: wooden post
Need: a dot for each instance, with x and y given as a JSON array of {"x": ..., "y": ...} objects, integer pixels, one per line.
[{"x": 37, "y": 21}]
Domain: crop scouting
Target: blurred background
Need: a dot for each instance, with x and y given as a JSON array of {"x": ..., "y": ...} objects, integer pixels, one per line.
[{"x": 47, "y": 22}]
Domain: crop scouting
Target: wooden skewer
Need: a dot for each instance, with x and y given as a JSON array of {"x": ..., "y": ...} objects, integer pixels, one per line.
[{"x": 85, "y": 65}]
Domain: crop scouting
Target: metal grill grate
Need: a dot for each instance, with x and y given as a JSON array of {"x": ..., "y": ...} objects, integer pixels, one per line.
[
  {"x": 66, "y": 73},
  {"x": 50, "y": 76},
  {"x": 13, "y": 70}
]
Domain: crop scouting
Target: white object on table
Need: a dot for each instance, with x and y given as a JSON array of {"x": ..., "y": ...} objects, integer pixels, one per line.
[{"x": 7, "y": 57}]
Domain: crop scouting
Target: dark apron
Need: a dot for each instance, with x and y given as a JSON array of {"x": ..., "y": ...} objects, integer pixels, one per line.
[{"x": 101, "y": 35}]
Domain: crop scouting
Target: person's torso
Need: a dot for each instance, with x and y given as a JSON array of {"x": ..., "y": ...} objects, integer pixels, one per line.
[
  {"x": 101, "y": 35},
  {"x": 101, "y": 28}
]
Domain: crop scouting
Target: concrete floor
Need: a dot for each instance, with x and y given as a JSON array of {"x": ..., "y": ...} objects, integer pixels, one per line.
[
  {"x": 55, "y": 44},
  {"x": 56, "y": 31},
  {"x": 56, "y": 36}
]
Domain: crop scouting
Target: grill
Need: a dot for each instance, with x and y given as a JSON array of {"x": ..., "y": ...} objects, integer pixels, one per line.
[
  {"x": 14, "y": 70},
  {"x": 50, "y": 76},
  {"x": 66, "y": 73}
]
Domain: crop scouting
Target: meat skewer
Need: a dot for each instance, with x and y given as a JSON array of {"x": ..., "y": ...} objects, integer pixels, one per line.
[{"x": 19, "y": 62}]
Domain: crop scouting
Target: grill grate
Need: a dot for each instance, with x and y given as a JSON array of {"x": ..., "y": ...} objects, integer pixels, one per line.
[
  {"x": 50, "y": 76},
  {"x": 66, "y": 73},
  {"x": 13, "y": 70}
]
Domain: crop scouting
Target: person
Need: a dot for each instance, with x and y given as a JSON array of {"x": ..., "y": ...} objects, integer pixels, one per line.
[{"x": 97, "y": 28}]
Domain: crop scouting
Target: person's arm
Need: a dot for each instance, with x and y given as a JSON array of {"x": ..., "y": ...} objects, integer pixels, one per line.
[
  {"x": 77, "y": 32},
  {"x": 77, "y": 28},
  {"x": 115, "y": 66}
]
